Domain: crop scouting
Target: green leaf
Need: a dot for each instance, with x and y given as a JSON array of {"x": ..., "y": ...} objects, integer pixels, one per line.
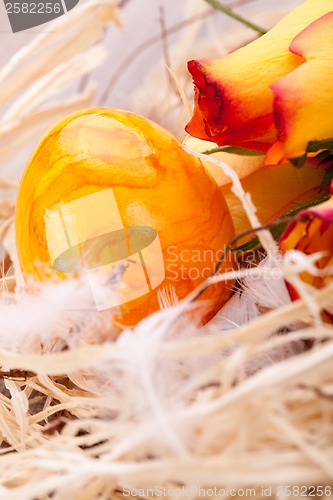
[
  {"x": 314, "y": 146},
  {"x": 323, "y": 155},
  {"x": 298, "y": 162},
  {"x": 327, "y": 179},
  {"x": 277, "y": 227},
  {"x": 327, "y": 160},
  {"x": 249, "y": 245},
  {"x": 233, "y": 150}
]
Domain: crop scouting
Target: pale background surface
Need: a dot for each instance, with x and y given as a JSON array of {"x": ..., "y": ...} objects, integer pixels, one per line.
[
  {"x": 141, "y": 19},
  {"x": 141, "y": 22}
]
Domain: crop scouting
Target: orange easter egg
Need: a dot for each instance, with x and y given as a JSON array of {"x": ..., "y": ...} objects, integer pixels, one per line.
[{"x": 113, "y": 195}]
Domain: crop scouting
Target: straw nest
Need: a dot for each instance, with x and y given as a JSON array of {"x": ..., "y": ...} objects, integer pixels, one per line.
[{"x": 243, "y": 404}]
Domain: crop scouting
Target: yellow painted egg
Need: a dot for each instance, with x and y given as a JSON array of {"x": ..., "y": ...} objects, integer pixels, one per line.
[{"x": 112, "y": 196}]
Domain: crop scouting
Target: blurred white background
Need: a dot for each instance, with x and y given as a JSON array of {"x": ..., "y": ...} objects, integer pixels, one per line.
[
  {"x": 142, "y": 22},
  {"x": 133, "y": 75}
]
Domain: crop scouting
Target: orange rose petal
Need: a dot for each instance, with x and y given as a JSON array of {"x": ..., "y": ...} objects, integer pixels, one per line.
[
  {"x": 300, "y": 115},
  {"x": 234, "y": 102},
  {"x": 274, "y": 191},
  {"x": 244, "y": 166},
  {"x": 314, "y": 234}
]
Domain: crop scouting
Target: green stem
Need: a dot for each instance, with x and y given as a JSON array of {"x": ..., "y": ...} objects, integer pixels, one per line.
[
  {"x": 233, "y": 150},
  {"x": 217, "y": 5}
]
